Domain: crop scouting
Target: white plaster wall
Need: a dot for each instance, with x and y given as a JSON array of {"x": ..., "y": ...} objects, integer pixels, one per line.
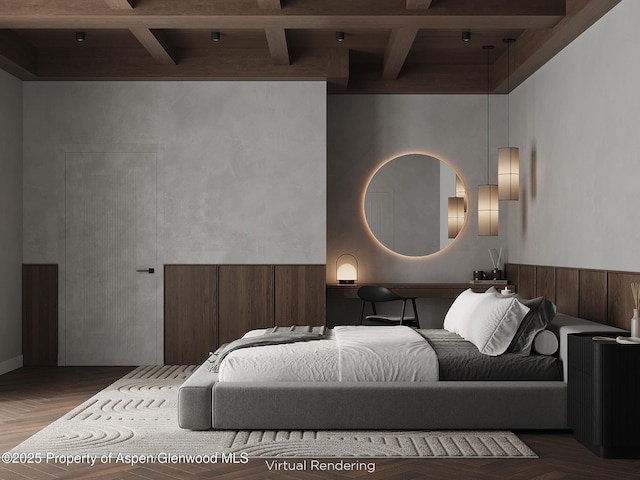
[
  {"x": 364, "y": 131},
  {"x": 11, "y": 222},
  {"x": 241, "y": 164},
  {"x": 241, "y": 167},
  {"x": 576, "y": 122}
]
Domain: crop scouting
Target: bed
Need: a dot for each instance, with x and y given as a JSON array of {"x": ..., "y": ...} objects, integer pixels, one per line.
[{"x": 491, "y": 395}]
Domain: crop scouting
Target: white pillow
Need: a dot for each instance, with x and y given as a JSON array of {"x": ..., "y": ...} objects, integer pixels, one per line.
[
  {"x": 461, "y": 310},
  {"x": 494, "y": 324}
]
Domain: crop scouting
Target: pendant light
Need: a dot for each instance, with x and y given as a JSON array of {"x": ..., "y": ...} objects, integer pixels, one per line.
[
  {"x": 508, "y": 157},
  {"x": 461, "y": 191},
  {"x": 456, "y": 209},
  {"x": 455, "y": 216},
  {"x": 488, "y": 194}
]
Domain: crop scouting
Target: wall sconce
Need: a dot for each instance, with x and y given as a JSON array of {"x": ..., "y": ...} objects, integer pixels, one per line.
[
  {"x": 347, "y": 269},
  {"x": 215, "y": 36},
  {"x": 339, "y": 36},
  {"x": 455, "y": 216},
  {"x": 488, "y": 209},
  {"x": 80, "y": 36},
  {"x": 466, "y": 36}
]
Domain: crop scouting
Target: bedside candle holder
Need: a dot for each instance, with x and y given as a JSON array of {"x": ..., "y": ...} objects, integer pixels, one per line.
[{"x": 347, "y": 269}]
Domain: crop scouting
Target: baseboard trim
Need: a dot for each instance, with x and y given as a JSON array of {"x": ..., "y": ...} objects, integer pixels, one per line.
[{"x": 11, "y": 364}]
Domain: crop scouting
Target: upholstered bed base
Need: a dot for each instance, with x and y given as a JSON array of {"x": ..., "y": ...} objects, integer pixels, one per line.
[{"x": 205, "y": 403}]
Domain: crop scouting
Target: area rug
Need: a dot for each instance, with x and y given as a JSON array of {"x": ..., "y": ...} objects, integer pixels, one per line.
[{"x": 137, "y": 416}]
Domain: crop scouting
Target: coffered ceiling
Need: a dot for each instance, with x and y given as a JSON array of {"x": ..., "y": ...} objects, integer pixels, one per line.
[{"x": 389, "y": 46}]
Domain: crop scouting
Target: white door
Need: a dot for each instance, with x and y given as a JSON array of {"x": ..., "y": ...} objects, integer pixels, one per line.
[{"x": 110, "y": 245}]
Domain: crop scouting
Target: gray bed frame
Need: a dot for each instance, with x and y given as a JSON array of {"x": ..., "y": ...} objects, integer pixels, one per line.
[{"x": 204, "y": 403}]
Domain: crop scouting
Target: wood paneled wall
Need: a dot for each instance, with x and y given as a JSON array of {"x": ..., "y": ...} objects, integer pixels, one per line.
[
  {"x": 190, "y": 306},
  {"x": 208, "y": 305},
  {"x": 246, "y": 299},
  {"x": 300, "y": 294},
  {"x": 40, "y": 315},
  {"x": 599, "y": 295}
]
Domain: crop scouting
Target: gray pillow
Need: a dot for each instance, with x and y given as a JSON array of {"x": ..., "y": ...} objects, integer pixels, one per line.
[
  {"x": 545, "y": 343},
  {"x": 542, "y": 311}
]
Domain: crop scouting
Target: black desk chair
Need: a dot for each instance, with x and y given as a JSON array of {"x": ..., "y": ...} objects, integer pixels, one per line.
[{"x": 375, "y": 294}]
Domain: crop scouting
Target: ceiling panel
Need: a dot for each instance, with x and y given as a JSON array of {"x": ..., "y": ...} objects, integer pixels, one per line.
[{"x": 389, "y": 46}]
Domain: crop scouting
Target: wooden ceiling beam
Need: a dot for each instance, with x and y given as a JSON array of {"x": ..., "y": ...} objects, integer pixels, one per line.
[
  {"x": 338, "y": 71},
  {"x": 437, "y": 79},
  {"x": 277, "y": 41},
  {"x": 259, "y": 22},
  {"x": 18, "y": 57},
  {"x": 396, "y": 52},
  {"x": 276, "y": 37},
  {"x": 200, "y": 64},
  {"x": 159, "y": 49},
  {"x": 150, "y": 41},
  {"x": 270, "y": 4},
  {"x": 534, "y": 48},
  {"x": 292, "y": 7},
  {"x": 418, "y": 4},
  {"x": 120, "y": 4},
  {"x": 332, "y": 66}
]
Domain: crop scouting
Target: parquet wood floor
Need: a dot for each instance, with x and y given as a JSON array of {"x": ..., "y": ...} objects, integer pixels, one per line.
[{"x": 31, "y": 398}]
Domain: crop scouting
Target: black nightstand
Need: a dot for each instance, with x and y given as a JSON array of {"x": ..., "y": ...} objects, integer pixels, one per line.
[{"x": 604, "y": 395}]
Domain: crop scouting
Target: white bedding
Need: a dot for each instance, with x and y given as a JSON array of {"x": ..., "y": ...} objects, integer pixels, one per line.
[{"x": 348, "y": 353}]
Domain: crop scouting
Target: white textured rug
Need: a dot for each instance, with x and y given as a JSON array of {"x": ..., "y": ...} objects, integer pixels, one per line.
[{"x": 137, "y": 415}]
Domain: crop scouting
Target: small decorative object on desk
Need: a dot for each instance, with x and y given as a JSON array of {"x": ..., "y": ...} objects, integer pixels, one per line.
[
  {"x": 488, "y": 282},
  {"x": 496, "y": 255},
  {"x": 635, "y": 321},
  {"x": 479, "y": 275}
]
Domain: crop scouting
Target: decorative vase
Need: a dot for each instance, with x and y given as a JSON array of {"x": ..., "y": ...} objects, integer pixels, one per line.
[{"x": 635, "y": 323}]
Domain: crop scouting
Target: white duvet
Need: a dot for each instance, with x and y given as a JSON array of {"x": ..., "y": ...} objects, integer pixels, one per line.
[{"x": 347, "y": 354}]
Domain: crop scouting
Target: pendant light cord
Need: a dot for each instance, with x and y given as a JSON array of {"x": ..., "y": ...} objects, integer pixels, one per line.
[
  {"x": 509, "y": 41},
  {"x": 488, "y": 48},
  {"x": 508, "y": 94}
]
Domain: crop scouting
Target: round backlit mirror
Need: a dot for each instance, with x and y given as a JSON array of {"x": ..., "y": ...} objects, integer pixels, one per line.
[{"x": 415, "y": 205}]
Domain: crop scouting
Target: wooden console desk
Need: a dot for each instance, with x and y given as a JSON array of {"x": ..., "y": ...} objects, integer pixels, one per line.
[{"x": 418, "y": 290}]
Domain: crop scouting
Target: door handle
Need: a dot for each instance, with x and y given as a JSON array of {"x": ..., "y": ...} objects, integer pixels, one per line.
[{"x": 146, "y": 270}]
